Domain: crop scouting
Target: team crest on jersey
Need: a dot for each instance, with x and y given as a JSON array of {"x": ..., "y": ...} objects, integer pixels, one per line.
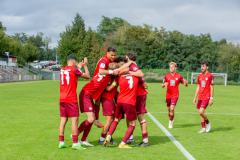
[
  {"x": 206, "y": 78},
  {"x": 176, "y": 79},
  {"x": 102, "y": 65},
  {"x": 90, "y": 108},
  {"x": 172, "y": 82}
]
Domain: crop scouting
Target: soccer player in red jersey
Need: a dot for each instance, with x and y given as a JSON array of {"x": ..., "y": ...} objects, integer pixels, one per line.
[
  {"x": 109, "y": 103},
  {"x": 68, "y": 98},
  {"x": 92, "y": 92},
  {"x": 172, "y": 81},
  {"x": 141, "y": 101},
  {"x": 204, "y": 94},
  {"x": 126, "y": 104}
]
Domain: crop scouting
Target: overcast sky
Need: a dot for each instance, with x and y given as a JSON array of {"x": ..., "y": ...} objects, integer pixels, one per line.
[{"x": 220, "y": 18}]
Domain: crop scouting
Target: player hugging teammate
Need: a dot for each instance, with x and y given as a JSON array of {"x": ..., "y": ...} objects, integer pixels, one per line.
[
  {"x": 108, "y": 74},
  {"x": 118, "y": 84}
]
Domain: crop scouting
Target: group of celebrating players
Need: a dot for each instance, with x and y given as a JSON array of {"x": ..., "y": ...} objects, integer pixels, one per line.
[{"x": 118, "y": 86}]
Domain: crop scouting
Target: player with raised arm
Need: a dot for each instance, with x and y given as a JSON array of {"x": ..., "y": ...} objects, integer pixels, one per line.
[
  {"x": 68, "y": 98},
  {"x": 171, "y": 82},
  {"x": 92, "y": 92},
  {"x": 204, "y": 95}
]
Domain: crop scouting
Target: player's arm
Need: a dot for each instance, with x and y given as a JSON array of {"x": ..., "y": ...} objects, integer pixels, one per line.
[
  {"x": 165, "y": 83},
  {"x": 138, "y": 73},
  {"x": 124, "y": 68},
  {"x": 196, "y": 95},
  {"x": 110, "y": 87},
  {"x": 185, "y": 82},
  {"x": 211, "y": 95},
  {"x": 86, "y": 73}
]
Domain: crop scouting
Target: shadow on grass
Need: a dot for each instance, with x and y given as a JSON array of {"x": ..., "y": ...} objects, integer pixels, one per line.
[
  {"x": 153, "y": 140},
  {"x": 186, "y": 125},
  {"x": 224, "y": 129}
]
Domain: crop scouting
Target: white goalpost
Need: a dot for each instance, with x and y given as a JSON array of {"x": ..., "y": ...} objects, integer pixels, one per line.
[{"x": 220, "y": 75}]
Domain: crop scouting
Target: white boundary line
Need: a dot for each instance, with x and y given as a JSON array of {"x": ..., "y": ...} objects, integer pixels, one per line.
[
  {"x": 171, "y": 137},
  {"x": 194, "y": 113}
]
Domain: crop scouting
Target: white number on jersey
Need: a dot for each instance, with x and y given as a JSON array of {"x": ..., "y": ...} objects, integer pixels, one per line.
[
  {"x": 65, "y": 72},
  {"x": 100, "y": 77},
  {"x": 130, "y": 81}
]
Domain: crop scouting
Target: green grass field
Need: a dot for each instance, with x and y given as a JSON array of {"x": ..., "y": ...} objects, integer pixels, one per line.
[{"x": 30, "y": 117}]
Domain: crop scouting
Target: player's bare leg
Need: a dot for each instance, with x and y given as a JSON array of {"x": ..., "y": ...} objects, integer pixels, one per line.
[
  {"x": 171, "y": 116},
  {"x": 128, "y": 133},
  {"x": 85, "y": 127},
  {"x": 63, "y": 121},
  {"x": 112, "y": 129},
  {"x": 109, "y": 120},
  {"x": 204, "y": 120},
  {"x": 97, "y": 110},
  {"x": 76, "y": 144},
  {"x": 143, "y": 124}
]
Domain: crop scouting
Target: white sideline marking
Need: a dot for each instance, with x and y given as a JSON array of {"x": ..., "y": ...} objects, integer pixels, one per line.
[
  {"x": 224, "y": 114},
  {"x": 171, "y": 137}
]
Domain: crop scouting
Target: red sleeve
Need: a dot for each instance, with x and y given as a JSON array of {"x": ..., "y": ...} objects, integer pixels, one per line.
[
  {"x": 211, "y": 79},
  {"x": 78, "y": 72},
  {"x": 133, "y": 67},
  {"x": 198, "y": 82},
  {"x": 102, "y": 64},
  {"x": 165, "y": 79}
]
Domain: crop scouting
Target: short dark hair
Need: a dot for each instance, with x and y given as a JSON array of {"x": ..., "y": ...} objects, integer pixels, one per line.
[
  {"x": 120, "y": 59},
  {"x": 132, "y": 56},
  {"x": 111, "y": 49},
  {"x": 204, "y": 63},
  {"x": 71, "y": 57}
]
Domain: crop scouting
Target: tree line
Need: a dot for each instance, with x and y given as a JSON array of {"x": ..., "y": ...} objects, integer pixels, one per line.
[
  {"x": 27, "y": 48},
  {"x": 155, "y": 47}
]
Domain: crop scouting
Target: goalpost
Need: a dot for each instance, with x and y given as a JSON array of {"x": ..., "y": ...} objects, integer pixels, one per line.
[{"x": 219, "y": 75}]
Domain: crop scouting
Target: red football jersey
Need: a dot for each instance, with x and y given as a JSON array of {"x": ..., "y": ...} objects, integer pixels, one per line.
[
  {"x": 204, "y": 81},
  {"x": 110, "y": 94},
  {"x": 128, "y": 85},
  {"x": 102, "y": 64},
  {"x": 133, "y": 67},
  {"x": 173, "y": 81},
  {"x": 97, "y": 85},
  {"x": 68, "y": 83},
  {"x": 141, "y": 89}
]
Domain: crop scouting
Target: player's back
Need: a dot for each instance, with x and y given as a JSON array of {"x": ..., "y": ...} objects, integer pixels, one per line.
[
  {"x": 128, "y": 85},
  {"x": 68, "y": 84},
  {"x": 97, "y": 85}
]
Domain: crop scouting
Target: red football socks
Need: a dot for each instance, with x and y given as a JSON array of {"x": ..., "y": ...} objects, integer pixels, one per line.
[
  {"x": 82, "y": 126},
  {"x": 112, "y": 127},
  {"x": 61, "y": 138},
  {"x": 128, "y": 133},
  {"x": 75, "y": 138}
]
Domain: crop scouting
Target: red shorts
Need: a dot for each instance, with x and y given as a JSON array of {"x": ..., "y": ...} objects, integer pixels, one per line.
[
  {"x": 141, "y": 104},
  {"x": 202, "y": 104},
  {"x": 68, "y": 109},
  {"x": 108, "y": 107},
  {"x": 171, "y": 101},
  {"x": 86, "y": 102},
  {"x": 128, "y": 109}
]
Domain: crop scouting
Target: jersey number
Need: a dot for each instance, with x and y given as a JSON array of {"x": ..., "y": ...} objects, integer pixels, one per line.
[
  {"x": 130, "y": 81},
  {"x": 65, "y": 72}
]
